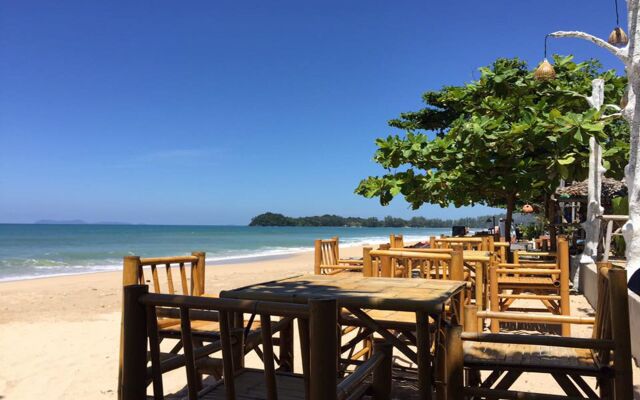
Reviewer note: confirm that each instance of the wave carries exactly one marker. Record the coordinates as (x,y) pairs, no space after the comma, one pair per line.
(34,268)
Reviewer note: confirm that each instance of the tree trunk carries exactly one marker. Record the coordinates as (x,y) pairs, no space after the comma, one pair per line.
(551,218)
(631,230)
(511,202)
(596,172)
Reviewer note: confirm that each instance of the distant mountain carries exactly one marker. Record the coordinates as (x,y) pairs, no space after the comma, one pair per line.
(60,222)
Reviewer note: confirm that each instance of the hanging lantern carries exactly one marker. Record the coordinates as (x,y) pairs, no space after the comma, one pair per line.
(545,71)
(618,38)
(527,209)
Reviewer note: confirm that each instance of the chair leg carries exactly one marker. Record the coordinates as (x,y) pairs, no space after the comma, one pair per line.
(198,343)
(606,388)
(472,377)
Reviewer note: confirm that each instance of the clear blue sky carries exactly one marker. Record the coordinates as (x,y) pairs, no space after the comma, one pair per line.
(210,112)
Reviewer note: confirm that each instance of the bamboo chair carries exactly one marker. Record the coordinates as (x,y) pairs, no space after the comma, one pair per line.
(501,250)
(546,282)
(317,323)
(468,243)
(379,263)
(401,268)
(160,272)
(605,356)
(533,257)
(327,259)
(182,275)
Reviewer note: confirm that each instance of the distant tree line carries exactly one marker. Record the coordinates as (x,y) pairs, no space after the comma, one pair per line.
(273,219)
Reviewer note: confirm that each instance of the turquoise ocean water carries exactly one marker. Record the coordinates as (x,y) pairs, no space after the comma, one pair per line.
(31,251)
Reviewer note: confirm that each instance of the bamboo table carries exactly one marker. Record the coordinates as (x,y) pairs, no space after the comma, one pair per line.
(425,297)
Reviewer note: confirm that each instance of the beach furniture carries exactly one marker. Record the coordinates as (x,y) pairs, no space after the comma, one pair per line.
(505,357)
(185,275)
(396,240)
(360,296)
(327,259)
(546,282)
(533,257)
(317,321)
(500,249)
(435,264)
(469,243)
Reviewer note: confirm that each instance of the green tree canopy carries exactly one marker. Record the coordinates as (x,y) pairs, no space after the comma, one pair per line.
(504,137)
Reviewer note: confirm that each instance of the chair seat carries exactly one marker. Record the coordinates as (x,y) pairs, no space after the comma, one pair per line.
(480,354)
(250,384)
(171,327)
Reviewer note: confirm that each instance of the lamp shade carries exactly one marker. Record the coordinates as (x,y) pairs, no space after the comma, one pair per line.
(527,209)
(618,37)
(545,71)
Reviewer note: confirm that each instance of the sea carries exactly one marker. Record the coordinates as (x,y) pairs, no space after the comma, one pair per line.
(29,251)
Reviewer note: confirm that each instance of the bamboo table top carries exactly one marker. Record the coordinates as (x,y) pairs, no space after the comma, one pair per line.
(401,294)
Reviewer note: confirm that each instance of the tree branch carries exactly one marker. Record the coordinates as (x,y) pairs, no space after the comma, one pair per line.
(615,115)
(621,53)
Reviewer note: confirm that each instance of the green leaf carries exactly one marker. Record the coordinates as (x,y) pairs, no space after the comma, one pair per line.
(567,160)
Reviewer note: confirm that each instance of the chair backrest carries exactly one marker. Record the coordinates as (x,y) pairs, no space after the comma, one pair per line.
(501,250)
(537,277)
(468,243)
(380,263)
(396,240)
(327,253)
(612,321)
(317,322)
(136,270)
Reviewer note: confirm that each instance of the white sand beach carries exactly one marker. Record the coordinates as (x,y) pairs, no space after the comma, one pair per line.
(59,337)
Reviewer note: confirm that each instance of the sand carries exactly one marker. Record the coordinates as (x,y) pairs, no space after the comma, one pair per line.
(59,337)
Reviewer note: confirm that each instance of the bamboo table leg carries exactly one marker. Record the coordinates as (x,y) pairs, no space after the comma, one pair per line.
(424,355)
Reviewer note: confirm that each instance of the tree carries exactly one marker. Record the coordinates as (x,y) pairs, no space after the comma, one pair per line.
(629,55)
(502,138)
(270,219)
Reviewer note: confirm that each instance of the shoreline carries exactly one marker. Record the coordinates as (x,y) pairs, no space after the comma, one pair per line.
(213,261)
(86,295)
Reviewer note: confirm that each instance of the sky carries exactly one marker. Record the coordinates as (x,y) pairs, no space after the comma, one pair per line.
(211,112)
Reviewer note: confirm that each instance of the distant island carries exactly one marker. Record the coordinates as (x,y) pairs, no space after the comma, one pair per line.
(60,222)
(76,222)
(274,219)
